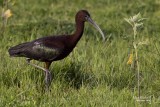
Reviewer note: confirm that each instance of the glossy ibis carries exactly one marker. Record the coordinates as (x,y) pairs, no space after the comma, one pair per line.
(53,48)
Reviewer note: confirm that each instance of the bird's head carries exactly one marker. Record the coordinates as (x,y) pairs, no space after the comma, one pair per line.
(83,16)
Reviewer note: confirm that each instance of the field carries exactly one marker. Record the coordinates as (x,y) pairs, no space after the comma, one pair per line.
(96,73)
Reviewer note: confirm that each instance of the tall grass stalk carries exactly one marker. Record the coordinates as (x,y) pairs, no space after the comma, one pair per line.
(136,23)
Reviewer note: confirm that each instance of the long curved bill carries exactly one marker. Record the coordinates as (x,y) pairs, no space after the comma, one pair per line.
(96,26)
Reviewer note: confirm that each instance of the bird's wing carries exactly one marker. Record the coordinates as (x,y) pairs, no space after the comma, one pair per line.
(41,51)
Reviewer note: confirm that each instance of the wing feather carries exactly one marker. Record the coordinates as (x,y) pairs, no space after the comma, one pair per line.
(44,52)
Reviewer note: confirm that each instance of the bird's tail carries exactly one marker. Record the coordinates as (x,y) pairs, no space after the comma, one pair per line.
(17,51)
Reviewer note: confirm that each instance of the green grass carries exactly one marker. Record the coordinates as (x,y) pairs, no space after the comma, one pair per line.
(96,73)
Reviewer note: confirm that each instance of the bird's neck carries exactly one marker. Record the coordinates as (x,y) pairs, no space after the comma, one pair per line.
(78,33)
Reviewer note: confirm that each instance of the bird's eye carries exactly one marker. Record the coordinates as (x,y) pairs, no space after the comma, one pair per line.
(86,17)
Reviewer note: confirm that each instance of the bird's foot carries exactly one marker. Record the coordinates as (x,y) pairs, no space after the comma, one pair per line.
(48,78)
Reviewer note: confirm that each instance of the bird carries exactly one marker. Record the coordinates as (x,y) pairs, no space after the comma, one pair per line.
(55,47)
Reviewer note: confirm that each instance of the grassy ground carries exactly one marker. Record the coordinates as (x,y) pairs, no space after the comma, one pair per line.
(95,73)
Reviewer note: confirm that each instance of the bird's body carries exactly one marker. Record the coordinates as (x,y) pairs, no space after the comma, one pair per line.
(46,49)
(53,48)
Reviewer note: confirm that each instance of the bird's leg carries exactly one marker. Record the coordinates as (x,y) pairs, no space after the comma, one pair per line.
(28,61)
(48,76)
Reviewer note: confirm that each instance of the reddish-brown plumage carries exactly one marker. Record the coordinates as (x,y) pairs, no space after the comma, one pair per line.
(53,48)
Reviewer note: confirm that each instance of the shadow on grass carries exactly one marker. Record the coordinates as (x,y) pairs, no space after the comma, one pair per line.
(70,75)
(74,77)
